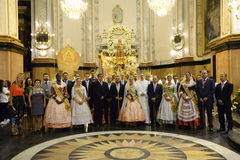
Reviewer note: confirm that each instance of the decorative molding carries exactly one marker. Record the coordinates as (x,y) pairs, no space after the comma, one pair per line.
(8,43)
(178,64)
(226,46)
(184,59)
(226,43)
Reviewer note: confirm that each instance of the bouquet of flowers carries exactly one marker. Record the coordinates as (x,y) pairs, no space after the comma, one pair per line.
(236,102)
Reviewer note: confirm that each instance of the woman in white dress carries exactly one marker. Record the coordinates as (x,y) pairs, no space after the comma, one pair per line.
(81,114)
(168,106)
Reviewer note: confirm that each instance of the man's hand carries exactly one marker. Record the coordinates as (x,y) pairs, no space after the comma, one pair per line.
(154,99)
(205,99)
(220,102)
(102,97)
(201,100)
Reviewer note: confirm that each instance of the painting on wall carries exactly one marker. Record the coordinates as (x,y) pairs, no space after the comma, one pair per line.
(212,20)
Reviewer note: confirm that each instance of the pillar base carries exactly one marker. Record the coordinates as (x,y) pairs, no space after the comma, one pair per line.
(11,54)
(44,65)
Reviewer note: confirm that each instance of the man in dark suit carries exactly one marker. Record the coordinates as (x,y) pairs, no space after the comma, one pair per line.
(177,83)
(111,101)
(120,93)
(69,85)
(223,94)
(88,85)
(93,78)
(123,81)
(205,92)
(154,92)
(99,91)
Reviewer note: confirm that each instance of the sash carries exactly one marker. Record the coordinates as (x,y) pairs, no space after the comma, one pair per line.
(189,94)
(132,92)
(60,95)
(81,96)
(173,100)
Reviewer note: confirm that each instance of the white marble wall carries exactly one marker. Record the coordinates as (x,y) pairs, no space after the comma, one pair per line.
(9,18)
(153,33)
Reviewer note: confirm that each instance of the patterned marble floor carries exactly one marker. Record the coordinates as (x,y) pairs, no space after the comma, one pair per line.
(128,145)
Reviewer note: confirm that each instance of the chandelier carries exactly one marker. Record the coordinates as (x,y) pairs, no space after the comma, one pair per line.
(161,7)
(74,9)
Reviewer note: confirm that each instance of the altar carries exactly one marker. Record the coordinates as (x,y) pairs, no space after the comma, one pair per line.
(119,57)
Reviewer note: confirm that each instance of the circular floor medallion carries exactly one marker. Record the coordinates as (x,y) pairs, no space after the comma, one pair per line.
(128,145)
(127,153)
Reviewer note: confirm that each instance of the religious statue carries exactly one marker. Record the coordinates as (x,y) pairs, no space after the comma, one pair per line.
(120,51)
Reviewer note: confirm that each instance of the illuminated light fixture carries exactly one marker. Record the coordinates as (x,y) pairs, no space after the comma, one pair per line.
(161,7)
(42,38)
(74,9)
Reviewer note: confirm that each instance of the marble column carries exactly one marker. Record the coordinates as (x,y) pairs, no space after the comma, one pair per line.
(42,12)
(11,49)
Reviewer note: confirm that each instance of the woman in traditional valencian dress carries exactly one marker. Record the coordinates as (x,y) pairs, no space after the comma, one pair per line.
(187,108)
(58,111)
(131,110)
(168,106)
(81,114)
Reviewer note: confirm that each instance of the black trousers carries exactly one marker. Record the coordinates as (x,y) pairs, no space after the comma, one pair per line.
(153,110)
(98,111)
(5,111)
(113,111)
(203,107)
(222,110)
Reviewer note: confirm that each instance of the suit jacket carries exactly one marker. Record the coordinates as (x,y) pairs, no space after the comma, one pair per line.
(120,93)
(158,91)
(47,88)
(93,79)
(88,88)
(207,90)
(225,93)
(69,87)
(123,82)
(112,92)
(99,90)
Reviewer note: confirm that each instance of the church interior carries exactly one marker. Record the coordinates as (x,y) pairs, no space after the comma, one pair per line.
(187,50)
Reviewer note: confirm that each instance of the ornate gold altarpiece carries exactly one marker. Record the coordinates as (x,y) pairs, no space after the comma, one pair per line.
(119,57)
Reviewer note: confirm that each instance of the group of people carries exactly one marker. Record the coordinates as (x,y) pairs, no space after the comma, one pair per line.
(165,102)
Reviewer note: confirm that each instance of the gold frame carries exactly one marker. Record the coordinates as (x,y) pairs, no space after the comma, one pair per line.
(68,53)
(207,47)
(117,7)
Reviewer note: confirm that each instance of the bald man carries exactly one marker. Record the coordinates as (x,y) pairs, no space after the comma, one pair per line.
(223,96)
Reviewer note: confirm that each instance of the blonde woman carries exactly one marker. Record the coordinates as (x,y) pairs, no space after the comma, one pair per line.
(81,114)
(18,103)
(131,110)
